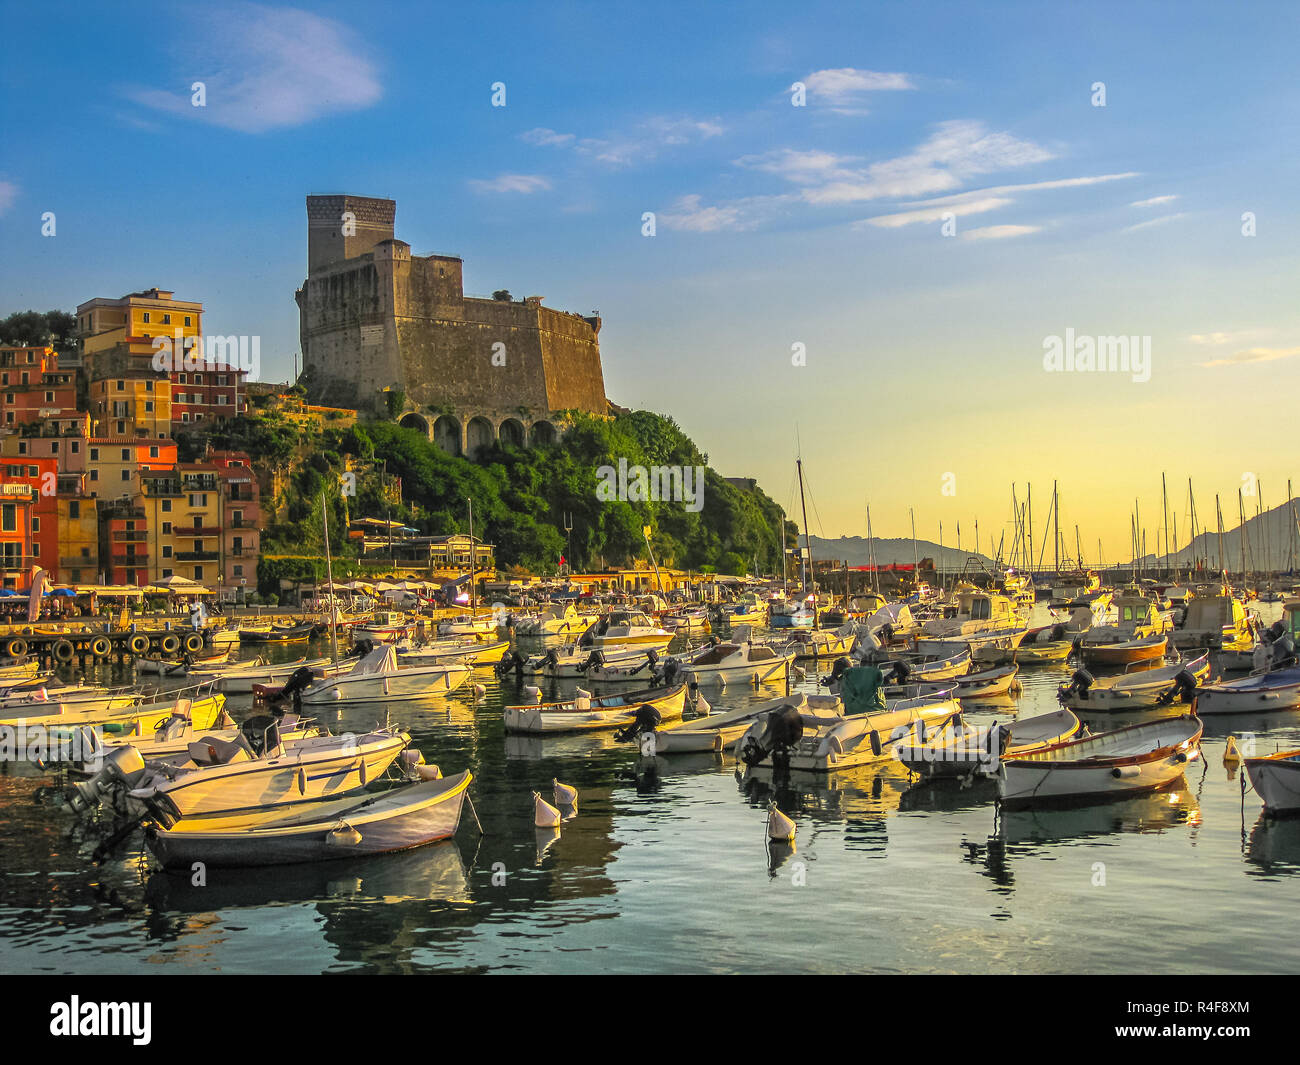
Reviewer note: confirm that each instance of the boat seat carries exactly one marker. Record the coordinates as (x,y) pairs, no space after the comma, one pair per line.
(212,750)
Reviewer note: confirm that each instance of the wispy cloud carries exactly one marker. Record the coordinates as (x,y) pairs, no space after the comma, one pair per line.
(845,88)
(547,138)
(954,152)
(1154,222)
(998,232)
(1250,355)
(1154,201)
(801,167)
(978,201)
(267,68)
(1235,337)
(520,183)
(8,194)
(690,214)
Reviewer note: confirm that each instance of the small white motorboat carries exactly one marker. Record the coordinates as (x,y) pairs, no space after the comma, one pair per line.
(963,750)
(376,677)
(1259,693)
(717,732)
(1142,757)
(739,659)
(1137,690)
(1276,778)
(587,713)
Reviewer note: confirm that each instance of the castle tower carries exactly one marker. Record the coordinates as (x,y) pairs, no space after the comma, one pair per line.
(343,227)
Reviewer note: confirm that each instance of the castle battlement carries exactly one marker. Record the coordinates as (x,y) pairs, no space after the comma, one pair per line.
(378,323)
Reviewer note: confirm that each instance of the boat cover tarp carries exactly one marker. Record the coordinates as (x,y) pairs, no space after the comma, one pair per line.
(860,688)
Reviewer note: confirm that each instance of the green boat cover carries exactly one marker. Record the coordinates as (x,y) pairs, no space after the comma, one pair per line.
(860,690)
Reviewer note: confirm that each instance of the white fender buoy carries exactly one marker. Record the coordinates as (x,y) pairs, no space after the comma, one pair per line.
(343,836)
(565,795)
(534,695)
(779,827)
(701,707)
(479,691)
(544,814)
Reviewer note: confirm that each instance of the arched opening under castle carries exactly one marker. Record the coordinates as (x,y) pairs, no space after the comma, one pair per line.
(416,422)
(542,433)
(446,434)
(512,433)
(478,436)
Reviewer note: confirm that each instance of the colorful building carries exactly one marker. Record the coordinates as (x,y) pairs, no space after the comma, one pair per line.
(32,387)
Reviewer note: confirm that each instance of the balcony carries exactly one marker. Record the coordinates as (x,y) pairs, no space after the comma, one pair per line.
(197,530)
(197,556)
(138,559)
(136,536)
(17,562)
(78,562)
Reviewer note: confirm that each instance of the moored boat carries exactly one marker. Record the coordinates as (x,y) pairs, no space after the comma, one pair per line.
(1278,689)
(961,749)
(586,713)
(1142,757)
(1276,778)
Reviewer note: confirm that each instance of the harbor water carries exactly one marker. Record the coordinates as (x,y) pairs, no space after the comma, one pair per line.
(667,869)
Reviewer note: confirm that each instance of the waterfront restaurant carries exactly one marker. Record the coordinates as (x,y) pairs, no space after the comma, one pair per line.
(380,541)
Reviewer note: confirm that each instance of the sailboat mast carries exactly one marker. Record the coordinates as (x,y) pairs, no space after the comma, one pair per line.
(916,562)
(473,556)
(871,554)
(1241,536)
(812,574)
(1029,503)
(1056,527)
(1164,504)
(1218,512)
(329,576)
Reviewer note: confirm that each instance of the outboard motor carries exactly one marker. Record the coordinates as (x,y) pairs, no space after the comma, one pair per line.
(1079,685)
(595,660)
(841,666)
(782,731)
(299,680)
(646,719)
(1283,652)
(667,676)
(1184,688)
(261,733)
(123,769)
(900,673)
(512,660)
(1058,631)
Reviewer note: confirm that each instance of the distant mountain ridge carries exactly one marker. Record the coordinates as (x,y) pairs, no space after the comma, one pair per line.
(1271,543)
(857,551)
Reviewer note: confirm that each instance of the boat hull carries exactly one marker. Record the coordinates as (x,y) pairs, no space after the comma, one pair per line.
(607,712)
(1277,782)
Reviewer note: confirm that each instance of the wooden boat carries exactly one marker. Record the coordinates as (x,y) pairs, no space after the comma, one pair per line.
(469,625)
(749,610)
(844,742)
(989,683)
(572,662)
(644,669)
(686,620)
(792,615)
(1139,690)
(739,659)
(384,626)
(171,740)
(588,713)
(817,643)
(19,670)
(963,750)
(1036,654)
(1259,693)
(980,617)
(717,732)
(240,778)
(409,815)
(70,697)
(376,677)
(918,669)
(1142,757)
(1125,652)
(278,633)
(1276,779)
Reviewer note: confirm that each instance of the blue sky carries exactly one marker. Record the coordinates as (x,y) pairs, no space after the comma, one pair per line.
(776,225)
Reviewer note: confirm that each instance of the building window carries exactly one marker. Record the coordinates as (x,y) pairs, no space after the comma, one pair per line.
(148,406)
(126,475)
(187,319)
(146,316)
(49,397)
(36,525)
(76,447)
(74,509)
(167,551)
(9,517)
(94,454)
(167,506)
(167,319)
(126,454)
(167,528)
(153,451)
(167,573)
(54,447)
(94,475)
(198,573)
(121,386)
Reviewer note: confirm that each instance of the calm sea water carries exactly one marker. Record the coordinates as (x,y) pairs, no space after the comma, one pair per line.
(672,872)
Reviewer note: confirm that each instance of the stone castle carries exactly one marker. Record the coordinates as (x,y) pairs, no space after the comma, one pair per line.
(394,334)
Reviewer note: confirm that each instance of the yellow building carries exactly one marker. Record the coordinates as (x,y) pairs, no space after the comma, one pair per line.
(183,515)
(132,406)
(134,320)
(78,538)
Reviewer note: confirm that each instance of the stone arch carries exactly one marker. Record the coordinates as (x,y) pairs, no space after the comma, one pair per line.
(512,433)
(478,436)
(418,422)
(447,434)
(542,433)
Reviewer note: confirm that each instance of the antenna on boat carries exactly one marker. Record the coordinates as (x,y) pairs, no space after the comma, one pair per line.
(812,574)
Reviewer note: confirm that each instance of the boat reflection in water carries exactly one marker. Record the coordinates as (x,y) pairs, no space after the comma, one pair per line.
(435,873)
(1273,848)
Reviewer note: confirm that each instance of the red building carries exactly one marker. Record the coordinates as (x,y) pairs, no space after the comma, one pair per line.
(29,518)
(242,511)
(211,392)
(32,388)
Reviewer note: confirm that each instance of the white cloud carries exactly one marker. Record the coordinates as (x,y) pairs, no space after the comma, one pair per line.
(521,183)
(978,201)
(1154,201)
(846,86)
(998,232)
(1255,355)
(8,194)
(1237,337)
(692,215)
(547,138)
(806,167)
(268,68)
(1154,222)
(649,137)
(956,150)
